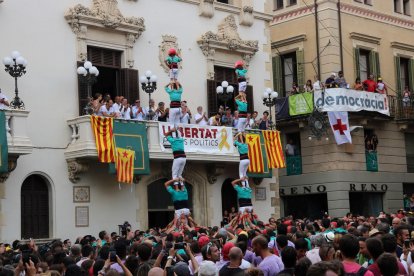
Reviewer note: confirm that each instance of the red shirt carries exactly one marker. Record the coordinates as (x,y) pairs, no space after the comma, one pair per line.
(376,271)
(370,85)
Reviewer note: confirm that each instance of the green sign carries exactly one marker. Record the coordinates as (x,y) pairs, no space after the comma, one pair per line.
(3,143)
(301,104)
(132,135)
(372,161)
(294,165)
(267,172)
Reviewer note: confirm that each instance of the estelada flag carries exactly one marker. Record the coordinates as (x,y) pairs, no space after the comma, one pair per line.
(255,153)
(125,165)
(103,130)
(274,152)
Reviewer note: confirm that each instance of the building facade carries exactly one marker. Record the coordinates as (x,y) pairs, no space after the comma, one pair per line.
(56,187)
(312,39)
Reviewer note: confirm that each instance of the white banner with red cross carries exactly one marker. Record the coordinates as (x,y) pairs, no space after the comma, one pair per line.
(340,126)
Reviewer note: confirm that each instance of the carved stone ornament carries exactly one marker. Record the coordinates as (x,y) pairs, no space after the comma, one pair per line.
(213,171)
(246,16)
(76,167)
(168,41)
(207,8)
(12,164)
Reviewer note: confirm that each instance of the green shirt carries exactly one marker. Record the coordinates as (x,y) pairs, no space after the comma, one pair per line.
(243,192)
(175,94)
(242,147)
(241,106)
(178,195)
(177,144)
(173,59)
(241,72)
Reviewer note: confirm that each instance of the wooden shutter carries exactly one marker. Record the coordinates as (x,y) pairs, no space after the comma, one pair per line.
(104,57)
(398,83)
(277,74)
(300,69)
(211,97)
(411,74)
(249,98)
(377,63)
(356,63)
(374,64)
(129,87)
(82,93)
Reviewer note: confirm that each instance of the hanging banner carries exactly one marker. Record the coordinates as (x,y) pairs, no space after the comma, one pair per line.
(301,104)
(282,108)
(4,164)
(208,139)
(341,99)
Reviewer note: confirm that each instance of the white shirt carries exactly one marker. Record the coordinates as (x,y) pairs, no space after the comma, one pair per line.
(290,149)
(2,105)
(103,110)
(184,118)
(117,108)
(245,264)
(317,85)
(154,117)
(138,115)
(126,113)
(203,122)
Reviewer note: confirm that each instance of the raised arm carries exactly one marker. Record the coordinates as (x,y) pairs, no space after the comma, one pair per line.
(234,182)
(168,183)
(168,133)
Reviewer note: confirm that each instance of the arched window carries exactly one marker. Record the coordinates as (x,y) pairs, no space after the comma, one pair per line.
(228,196)
(35,207)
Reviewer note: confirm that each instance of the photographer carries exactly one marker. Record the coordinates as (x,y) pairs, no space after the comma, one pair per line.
(4,102)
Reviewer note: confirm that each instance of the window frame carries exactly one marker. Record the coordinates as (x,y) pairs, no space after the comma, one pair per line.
(294,71)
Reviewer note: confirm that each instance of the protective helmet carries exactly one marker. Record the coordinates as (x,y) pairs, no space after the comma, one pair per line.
(172,51)
(238,63)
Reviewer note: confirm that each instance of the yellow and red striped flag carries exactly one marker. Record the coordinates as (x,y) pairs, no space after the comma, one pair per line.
(102,128)
(274,151)
(125,165)
(255,153)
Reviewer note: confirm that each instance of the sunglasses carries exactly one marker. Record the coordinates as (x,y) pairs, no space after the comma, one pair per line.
(209,245)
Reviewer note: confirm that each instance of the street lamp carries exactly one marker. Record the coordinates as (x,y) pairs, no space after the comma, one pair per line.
(225,92)
(88,75)
(149,85)
(269,99)
(16,67)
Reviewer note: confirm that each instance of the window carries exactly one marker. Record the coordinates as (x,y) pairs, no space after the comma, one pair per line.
(404,77)
(406,7)
(404,73)
(288,68)
(368,2)
(397,6)
(278,4)
(366,63)
(371,143)
(292,2)
(223,1)
(289,71)
(293,154)
(409,149)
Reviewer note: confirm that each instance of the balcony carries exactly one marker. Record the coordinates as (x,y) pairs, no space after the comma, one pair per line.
(83,148)
(371,158)
(18,141)
(294,165)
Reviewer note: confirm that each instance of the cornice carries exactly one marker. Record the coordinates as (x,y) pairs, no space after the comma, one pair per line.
(288,41)
(402,46)
(292,14)
(365,38)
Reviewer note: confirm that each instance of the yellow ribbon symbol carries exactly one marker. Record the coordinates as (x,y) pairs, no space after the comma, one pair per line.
(223,142)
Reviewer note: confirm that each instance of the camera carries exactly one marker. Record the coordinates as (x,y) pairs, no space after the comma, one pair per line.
(407,243)
(112,255)
(124,228)
(179,245)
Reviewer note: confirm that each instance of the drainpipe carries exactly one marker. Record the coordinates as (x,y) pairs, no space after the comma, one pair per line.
(317,39)
(341,53)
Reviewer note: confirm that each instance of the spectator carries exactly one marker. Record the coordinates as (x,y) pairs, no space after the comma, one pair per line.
(161,113)
(349,247)
(301,247)
(290,148)
(294,90)
(406,100)
(107,110)
(233,267)
(233,213)
(215,120)
(340,80)
(253,121)
(270,264)
(381,87)
(302,267)
(117,106)
(200,117)
(137,112)
(308,87)
(184,115)
(388,265)
(249,121)
(370,85)
(210,252)
(326,252)
(325,269)
(235,118)
(125,109)
(363,255)
(330,81)
(96,102)
(150,111)
(221,110)
(313,254)
(289,256)
(226,219)
(401,233)
(243,247)
(389,243)
(317,85)
(358,85)
(4,102)
(375,249)
(264,123)
(227,119)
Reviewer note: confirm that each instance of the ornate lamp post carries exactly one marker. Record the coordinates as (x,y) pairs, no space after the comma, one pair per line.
(16,67)
(149,85)
(225,92)
(88,75)
(269,100)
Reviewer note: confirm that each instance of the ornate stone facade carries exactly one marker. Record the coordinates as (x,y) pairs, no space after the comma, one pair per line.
(168,41)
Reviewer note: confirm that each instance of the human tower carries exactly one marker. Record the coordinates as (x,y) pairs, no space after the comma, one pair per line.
(176,186)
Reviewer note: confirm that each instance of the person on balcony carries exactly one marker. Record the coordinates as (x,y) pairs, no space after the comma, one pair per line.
(381,87)
(358,85)
(317,85)
(370,84)
(264,122)
(341,81)
(174,90)
(150,111)
(162,112)
(179,198)
(107,110)
(177,146)
(241,103)
(184,113)
(200,117)
(96,103)
(240,143)
(290,148)
(227,119)
(308,87)
(125,110)
(294,90)
(330,82)
(4,102)
(215,120)
(137,112)
(406,100)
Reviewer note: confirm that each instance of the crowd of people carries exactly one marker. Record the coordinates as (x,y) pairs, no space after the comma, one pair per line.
(352,245)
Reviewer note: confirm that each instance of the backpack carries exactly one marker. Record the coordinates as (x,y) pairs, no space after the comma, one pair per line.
(361,272)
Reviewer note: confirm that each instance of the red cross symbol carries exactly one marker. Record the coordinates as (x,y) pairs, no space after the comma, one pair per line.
(339,126)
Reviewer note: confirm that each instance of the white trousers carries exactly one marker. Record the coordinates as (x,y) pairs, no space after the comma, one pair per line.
(175,116)
(242,86)
(243,166)
(249,209)
(241,124)
(178,168)
(183,211)
(174,73)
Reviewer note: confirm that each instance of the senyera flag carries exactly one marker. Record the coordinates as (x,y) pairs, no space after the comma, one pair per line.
(274,151)
(103,130)
(255,153)
(125,165)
